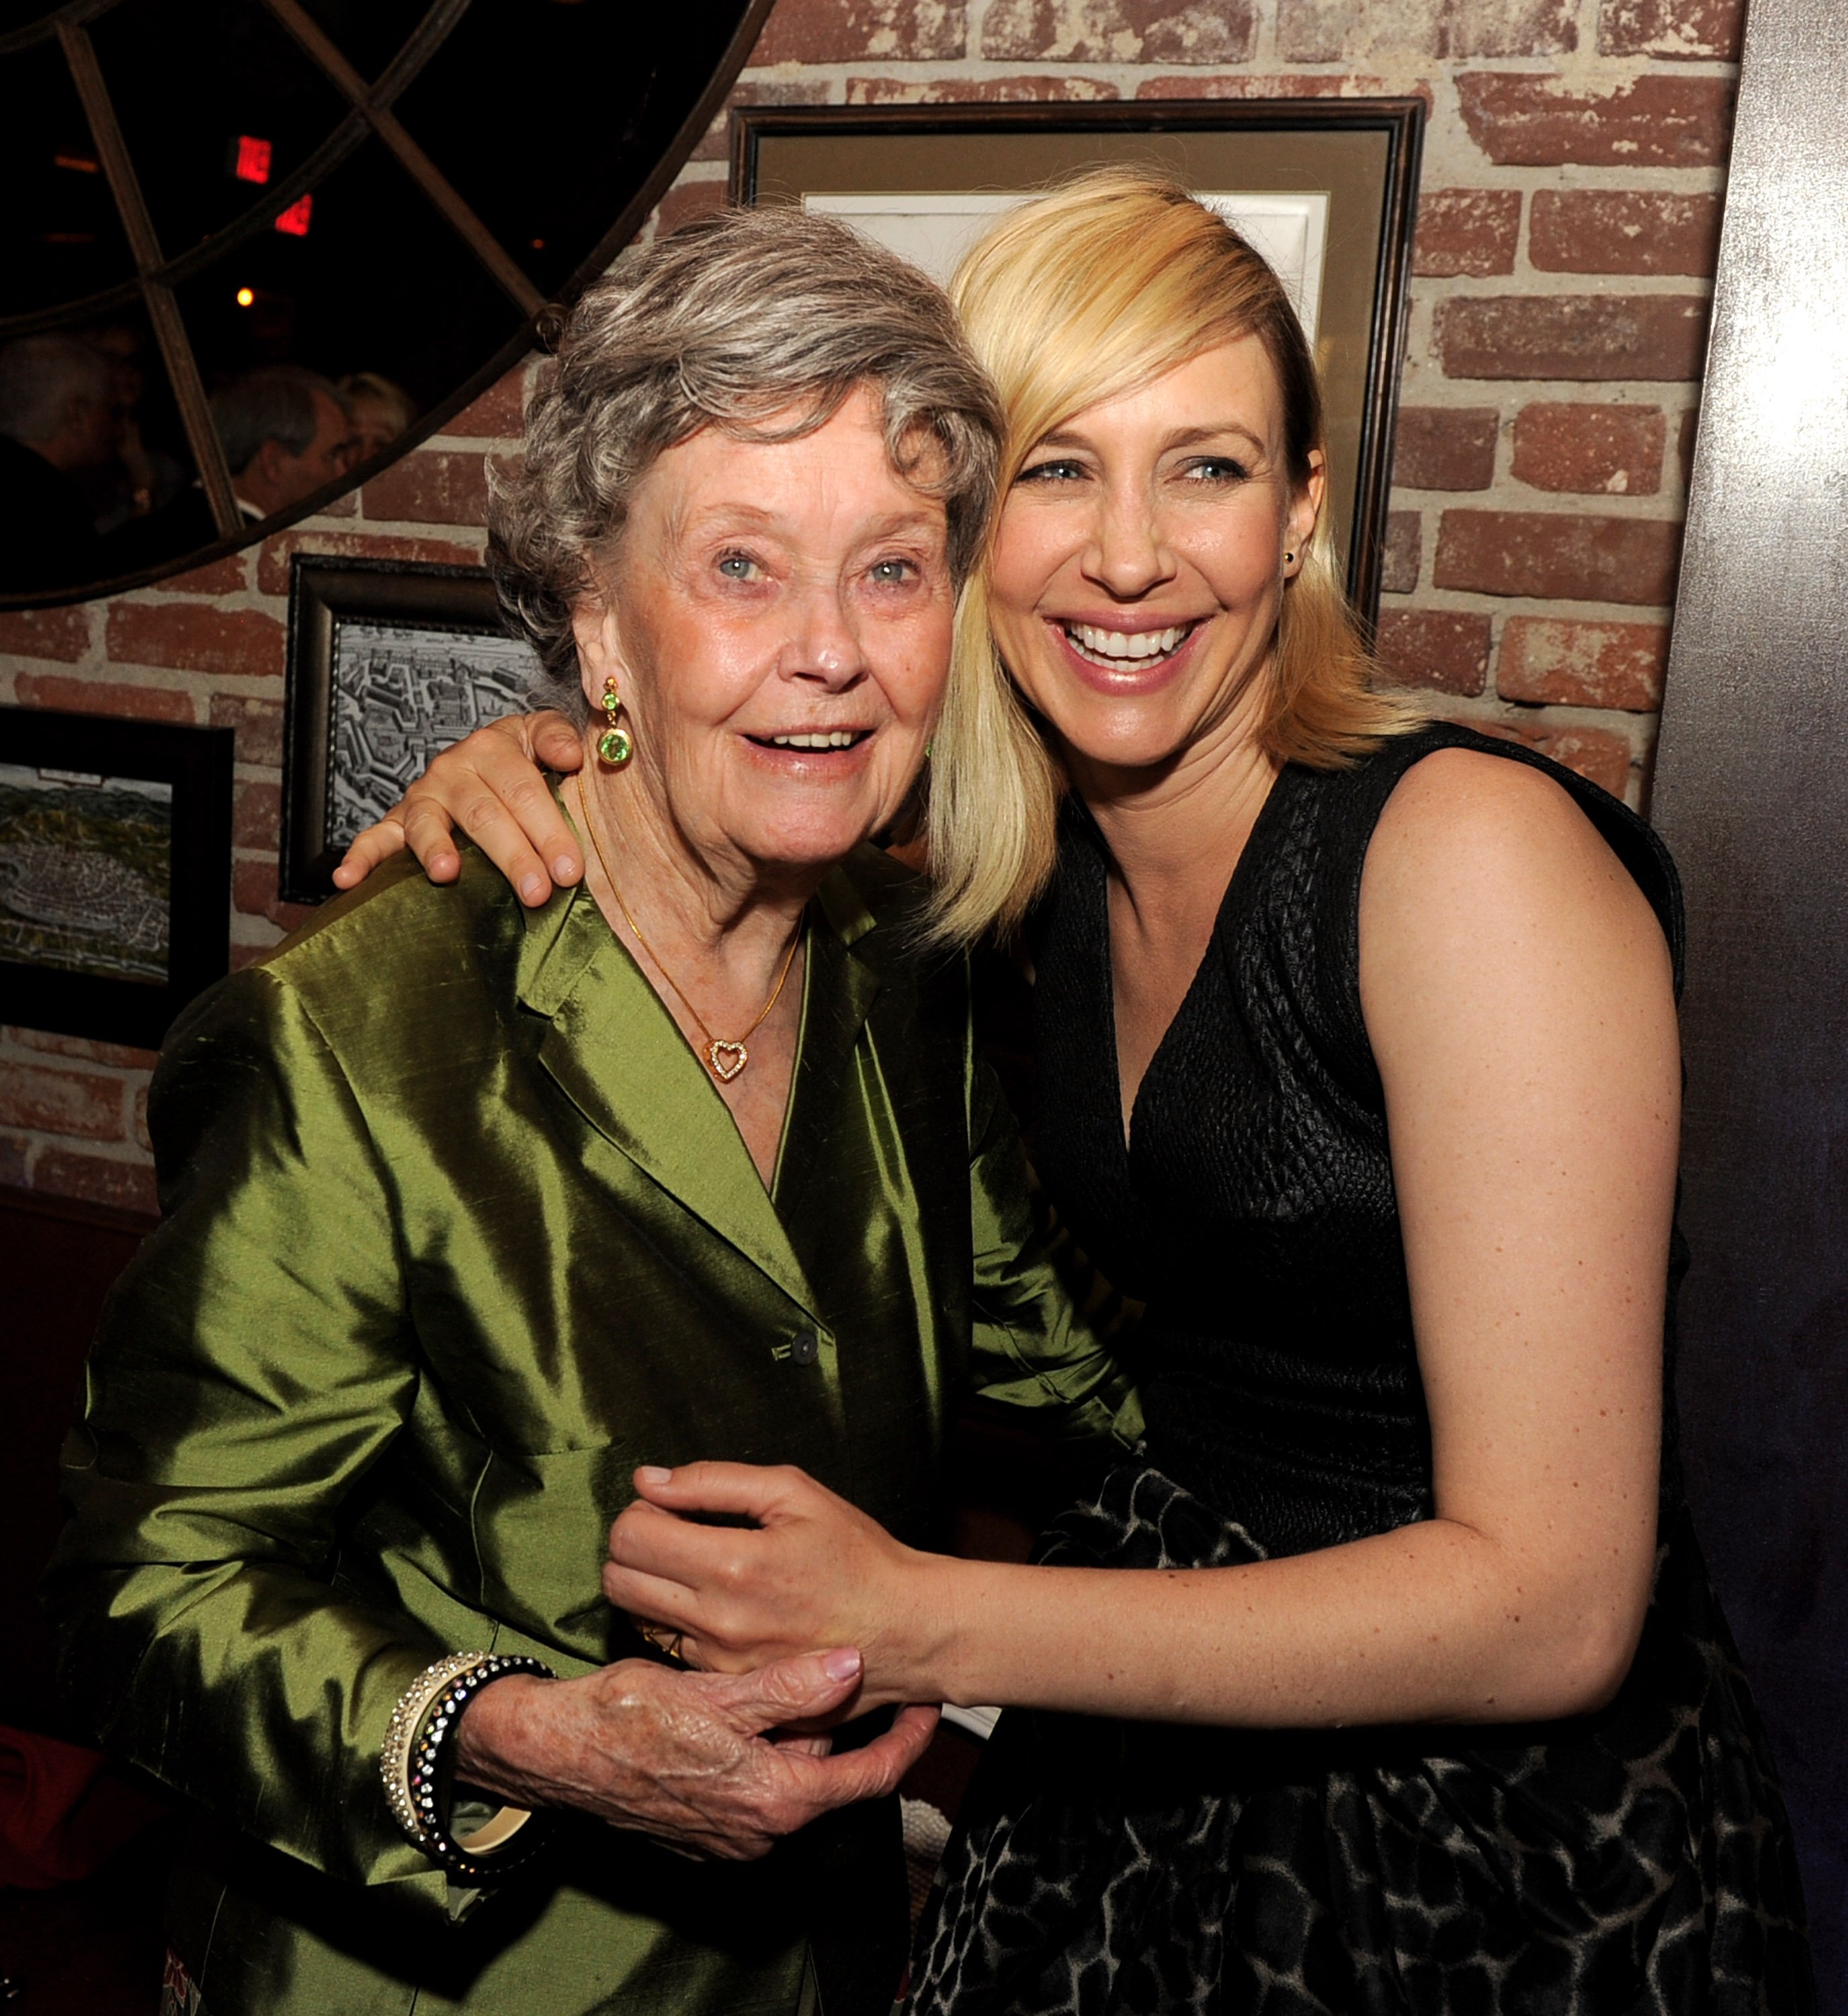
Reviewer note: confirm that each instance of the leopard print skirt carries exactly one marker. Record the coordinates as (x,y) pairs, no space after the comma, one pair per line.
(1632,1862)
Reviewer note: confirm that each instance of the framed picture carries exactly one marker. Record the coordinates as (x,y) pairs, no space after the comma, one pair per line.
(388,663)
(115,871)
(1327,188)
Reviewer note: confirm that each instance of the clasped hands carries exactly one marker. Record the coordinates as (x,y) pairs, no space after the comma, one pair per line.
(723,1759)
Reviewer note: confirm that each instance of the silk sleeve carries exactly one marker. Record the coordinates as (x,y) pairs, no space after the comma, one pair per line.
(1044,1319)
(252,1366)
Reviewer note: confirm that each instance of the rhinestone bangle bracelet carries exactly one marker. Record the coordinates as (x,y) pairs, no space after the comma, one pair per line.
(415,1763)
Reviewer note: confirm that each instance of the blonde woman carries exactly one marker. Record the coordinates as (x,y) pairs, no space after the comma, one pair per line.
(1358,1049)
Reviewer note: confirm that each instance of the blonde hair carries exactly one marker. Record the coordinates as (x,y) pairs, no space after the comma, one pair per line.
(1082,296)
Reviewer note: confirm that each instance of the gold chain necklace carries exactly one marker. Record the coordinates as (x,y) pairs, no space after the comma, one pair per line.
(726,1055)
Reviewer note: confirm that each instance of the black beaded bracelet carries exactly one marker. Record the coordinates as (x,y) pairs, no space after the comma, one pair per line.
(417,1764)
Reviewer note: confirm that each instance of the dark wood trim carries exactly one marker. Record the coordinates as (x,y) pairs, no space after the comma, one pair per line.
(176,352)
(76,1210)
(438,190)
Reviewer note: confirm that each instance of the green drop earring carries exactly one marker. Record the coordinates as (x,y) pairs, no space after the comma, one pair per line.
(615,745)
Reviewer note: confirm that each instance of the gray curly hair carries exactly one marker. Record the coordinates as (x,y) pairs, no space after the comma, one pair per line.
(761,322)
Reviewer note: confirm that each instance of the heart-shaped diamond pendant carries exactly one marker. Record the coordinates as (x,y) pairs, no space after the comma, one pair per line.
(727,1060)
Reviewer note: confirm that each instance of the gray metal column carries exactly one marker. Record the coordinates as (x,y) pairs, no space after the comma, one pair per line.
(1752,794)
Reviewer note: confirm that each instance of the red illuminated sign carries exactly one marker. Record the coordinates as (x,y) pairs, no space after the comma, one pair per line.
(251,162)
(294,219)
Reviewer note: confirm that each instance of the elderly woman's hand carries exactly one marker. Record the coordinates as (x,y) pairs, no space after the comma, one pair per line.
(691,1759)
(490,785)
(811,1570)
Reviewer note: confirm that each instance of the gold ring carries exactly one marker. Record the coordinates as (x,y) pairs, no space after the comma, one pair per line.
(651,1633)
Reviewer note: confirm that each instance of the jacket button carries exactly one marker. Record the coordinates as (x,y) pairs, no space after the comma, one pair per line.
(804,1347)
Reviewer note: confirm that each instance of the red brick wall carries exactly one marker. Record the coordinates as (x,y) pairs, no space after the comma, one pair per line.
(1573,169)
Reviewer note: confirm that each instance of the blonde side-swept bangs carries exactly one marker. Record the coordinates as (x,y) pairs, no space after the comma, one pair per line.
(1082,296)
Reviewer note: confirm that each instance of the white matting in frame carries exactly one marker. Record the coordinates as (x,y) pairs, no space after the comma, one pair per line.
(934,230)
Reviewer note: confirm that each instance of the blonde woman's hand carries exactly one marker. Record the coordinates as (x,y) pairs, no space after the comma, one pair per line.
(811,1570)
(490,784)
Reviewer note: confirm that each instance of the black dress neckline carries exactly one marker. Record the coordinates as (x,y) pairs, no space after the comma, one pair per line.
(1236,883)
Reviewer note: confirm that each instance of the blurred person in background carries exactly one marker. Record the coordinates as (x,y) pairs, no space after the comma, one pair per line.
(139,478)
(285,431)
(59,418)
(380,410)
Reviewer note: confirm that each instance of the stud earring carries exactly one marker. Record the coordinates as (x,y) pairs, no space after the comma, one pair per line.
(615,745)
(1289,559)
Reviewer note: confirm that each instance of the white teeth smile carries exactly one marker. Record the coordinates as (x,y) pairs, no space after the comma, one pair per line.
(1117,647)
(838,738)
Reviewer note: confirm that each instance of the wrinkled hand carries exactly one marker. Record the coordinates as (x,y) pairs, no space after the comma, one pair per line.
(489,784)
(812,1571)
(693,1760)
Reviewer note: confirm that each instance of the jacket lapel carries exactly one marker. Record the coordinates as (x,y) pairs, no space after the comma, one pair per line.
(617,1055)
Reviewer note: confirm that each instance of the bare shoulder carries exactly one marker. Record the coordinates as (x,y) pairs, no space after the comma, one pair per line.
(1463,828)
(1489,897)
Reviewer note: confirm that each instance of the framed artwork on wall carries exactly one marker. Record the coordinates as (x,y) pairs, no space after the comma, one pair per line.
(115,871)
(1327,188)
(388,663)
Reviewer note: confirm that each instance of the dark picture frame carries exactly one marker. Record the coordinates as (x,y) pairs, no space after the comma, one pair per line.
(367,702)
(115,871)
(1362,153)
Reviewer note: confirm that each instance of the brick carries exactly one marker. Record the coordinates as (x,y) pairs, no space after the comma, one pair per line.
(258,726)
(141,1137)
(1554,663)
(1623,231)
(1612,451)
(1445,447)
(685,203)
(1700,30)
(498,414)
(82,1103)
(273,559)
(1119,31)
(1595,753)
(127,1185)
(82,696)
(14,1154)
(256,815)
(1295,84)
(979,91)
(195,637)
(1443,649)
(253,892)
(243,954)
(62,634)
(431,487)
(825,31)
(224,576)
(1526,120)
(52,1044)
(1346,31)
(1558,557)
(1403,552)
(1466,232)
(1656,337)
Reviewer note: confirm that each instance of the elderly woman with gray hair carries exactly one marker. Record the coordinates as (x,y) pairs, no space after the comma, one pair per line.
(355,1438)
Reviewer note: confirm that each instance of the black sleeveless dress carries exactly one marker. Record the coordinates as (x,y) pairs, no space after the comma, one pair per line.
(1634,1860)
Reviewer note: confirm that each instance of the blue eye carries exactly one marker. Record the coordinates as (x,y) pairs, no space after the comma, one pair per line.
(736,567)
(1216,469)
(890,573)
(1052,472)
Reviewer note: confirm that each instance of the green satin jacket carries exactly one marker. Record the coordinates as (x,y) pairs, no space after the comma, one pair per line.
(457,1232)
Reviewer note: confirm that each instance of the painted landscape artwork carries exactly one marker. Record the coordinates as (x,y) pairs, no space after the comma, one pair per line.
(86,866)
